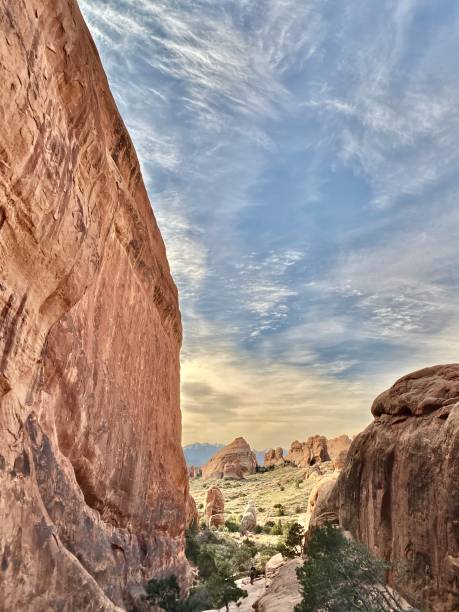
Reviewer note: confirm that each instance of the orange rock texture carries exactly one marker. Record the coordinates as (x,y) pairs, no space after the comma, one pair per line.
(274,457)
(313,451)
(92,477)
(215,507)
(399,489)
(233,461)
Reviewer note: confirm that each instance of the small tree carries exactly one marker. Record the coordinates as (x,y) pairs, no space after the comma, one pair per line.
(277,529)
(223,591)
(340,574)
(292,543)
(163,593)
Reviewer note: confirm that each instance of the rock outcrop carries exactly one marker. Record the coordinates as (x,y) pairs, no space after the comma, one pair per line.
(233,461)
(338,447)
(318,512)
(249,518)
(339,460)
(192,514)
(399,490)
(92,477)
(274,457)
(314,450)
(194,471)
(215,507)
(283,592)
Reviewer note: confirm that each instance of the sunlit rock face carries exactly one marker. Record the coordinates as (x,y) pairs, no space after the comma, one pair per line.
(93,481)
(215,507)
(232,462)
(274,457)
(338,447)
(399,489)
(311,452)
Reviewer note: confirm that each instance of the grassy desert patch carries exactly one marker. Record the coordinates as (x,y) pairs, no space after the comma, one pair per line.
(286,485)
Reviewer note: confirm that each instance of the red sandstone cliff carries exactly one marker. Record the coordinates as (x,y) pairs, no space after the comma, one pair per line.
(399,489)
(92,477)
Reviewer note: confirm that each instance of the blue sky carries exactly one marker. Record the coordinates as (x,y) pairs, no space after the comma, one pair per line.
(302,161)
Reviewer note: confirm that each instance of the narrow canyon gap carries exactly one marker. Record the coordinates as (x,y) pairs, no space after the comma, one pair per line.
(94,489)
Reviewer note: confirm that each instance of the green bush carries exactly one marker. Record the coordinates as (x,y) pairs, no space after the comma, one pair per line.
(232,525)
(291,544)
(340,574)
(280,510)
(164,593)
(277,529)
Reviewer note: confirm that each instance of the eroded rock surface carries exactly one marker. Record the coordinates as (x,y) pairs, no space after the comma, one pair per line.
(283,592)
(233,461)
(92,477)
(249,518)
(214,507)
(399,490)
(311,452)
(274,457)
(338,448)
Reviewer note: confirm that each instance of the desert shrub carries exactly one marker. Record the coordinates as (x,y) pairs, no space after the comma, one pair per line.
(261,509)
(232,525)
(268,526)
(223,591)
(282,488)
(291,544)
(164,593)
(265,552)
(340,574)
(297,484)
(258,529)
(201,505)
(280,510)
(277,529)
(298,510)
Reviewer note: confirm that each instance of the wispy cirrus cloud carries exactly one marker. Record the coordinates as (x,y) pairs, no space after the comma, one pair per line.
(302,163)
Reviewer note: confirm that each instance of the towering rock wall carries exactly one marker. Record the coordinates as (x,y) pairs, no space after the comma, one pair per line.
(92,477)
(399,489)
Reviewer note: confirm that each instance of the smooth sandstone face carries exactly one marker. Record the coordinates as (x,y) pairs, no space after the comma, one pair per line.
(398,491)
(93,481)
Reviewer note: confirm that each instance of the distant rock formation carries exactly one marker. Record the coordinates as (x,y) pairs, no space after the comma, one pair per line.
(313,451)
(215,507)
(338,447)
(249,518)
(92,476)
(317,450)
(399,489)
(234,461)
(274,457)
(194,471)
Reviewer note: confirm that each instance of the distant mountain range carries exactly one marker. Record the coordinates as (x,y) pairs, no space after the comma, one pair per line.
(199,454)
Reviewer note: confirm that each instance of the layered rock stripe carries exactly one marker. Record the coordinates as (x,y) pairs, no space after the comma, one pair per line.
(93,482)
